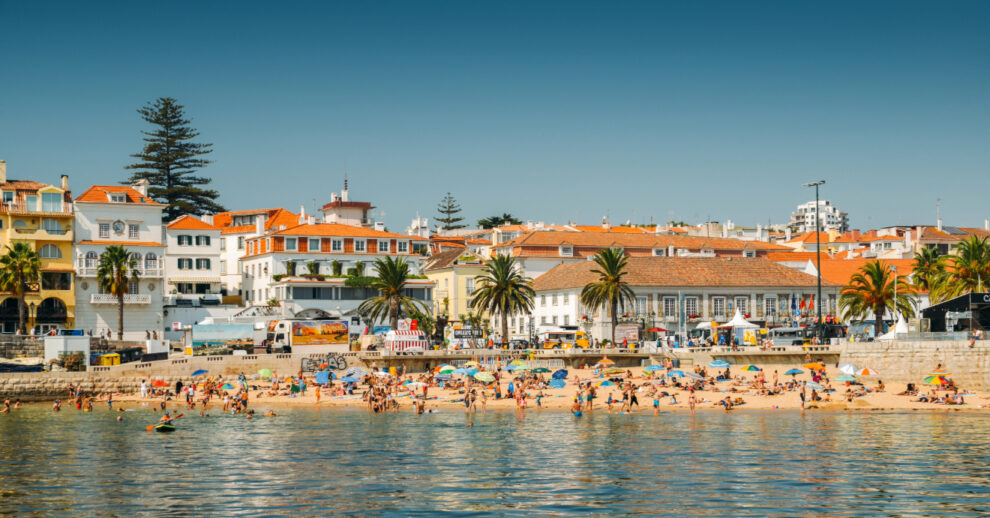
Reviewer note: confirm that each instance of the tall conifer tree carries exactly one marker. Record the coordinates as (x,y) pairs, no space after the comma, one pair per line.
(170,159)
(449,210)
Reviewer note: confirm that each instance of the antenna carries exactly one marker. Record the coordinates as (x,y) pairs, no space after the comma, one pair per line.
(345,180)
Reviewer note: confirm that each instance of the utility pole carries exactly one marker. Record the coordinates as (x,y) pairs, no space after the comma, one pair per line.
(818,253)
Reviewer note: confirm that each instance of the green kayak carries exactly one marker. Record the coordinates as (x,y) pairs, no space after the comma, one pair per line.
(165,428)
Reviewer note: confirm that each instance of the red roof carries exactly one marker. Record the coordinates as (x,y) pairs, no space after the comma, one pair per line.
(336,229)
(187,222)
(101,194)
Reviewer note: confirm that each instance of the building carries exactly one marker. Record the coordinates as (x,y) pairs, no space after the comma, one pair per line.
(678,293)
(830,217)
(321,267)
(40,215)
(235,229)
(539,252)
(119,215)
(342,211)
(453,272)
(192,261)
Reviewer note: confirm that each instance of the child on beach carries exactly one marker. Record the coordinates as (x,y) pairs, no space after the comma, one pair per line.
(610,402)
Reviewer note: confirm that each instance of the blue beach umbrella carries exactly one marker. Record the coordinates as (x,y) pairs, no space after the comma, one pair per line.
(675,374)
(815,386)
(511,368)
(557,383)
(719,364)
(442,376)
(651,368)
(794,372)
(227,386)
(559,375)
(692,376)
(472,372)
(349,379)
(200,372)
(460,371)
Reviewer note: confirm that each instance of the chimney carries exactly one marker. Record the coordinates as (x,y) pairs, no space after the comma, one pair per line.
(939,223)
(65,182)
(302,215)
(986,224)
(787,234)
(207,218)
(141,186)
(907,240)
(3,171)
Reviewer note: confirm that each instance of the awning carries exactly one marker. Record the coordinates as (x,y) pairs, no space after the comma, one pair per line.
(738,322)
(404,340)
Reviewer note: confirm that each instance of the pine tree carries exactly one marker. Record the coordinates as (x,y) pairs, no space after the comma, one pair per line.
(169,160)
(449,210)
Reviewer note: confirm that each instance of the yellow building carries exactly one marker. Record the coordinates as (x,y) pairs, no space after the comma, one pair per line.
(453,272)
(40,215)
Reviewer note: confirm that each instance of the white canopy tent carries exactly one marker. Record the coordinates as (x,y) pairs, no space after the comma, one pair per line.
(738,322)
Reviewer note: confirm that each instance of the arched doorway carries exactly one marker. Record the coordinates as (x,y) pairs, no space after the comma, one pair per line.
(51,313)
(8,315)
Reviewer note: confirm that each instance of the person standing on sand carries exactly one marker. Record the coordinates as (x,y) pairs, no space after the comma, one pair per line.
(317,394)
(692,401)
(804,385)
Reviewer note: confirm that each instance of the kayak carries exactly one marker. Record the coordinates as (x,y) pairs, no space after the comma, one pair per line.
(164,428)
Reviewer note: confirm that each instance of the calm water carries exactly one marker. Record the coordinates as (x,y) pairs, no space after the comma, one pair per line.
(310,462)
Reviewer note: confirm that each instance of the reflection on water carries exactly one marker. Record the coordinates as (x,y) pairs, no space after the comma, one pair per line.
(308,462)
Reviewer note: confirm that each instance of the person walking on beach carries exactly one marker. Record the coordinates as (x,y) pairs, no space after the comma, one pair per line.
(804,385)
(692,401)
(317,394)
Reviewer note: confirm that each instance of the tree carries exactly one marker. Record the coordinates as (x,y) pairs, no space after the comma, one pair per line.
(20,267)
(391,301)
(449,210)
(969,269)
(503,290)
(610,291)
(170,159)
(871,290)
(114,273)
(498,221)
(929,270)
(424,322)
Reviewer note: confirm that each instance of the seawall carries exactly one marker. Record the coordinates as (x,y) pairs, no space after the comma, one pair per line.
(911,361)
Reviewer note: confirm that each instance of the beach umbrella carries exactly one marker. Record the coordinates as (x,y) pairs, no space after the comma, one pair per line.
(752,368)
(845,377)
(447,369)
(651,368)
(265,373)
(944,374)
(615,370)
(540,370)
(471,364)
(159,383)
(460,371)
(605,383)
(524,367)
(867,372)
(848,368)
(227,386)
(518,362)
(606,361)
(936,380)
(815,386)
(559,374)
(472,372)
(719,364)
(675,374)
(557,383)
(354,371)
(199,372)
(511,368)
(382,374)
(656,330)
(814,366)
(794,372)
(349,379)
(443,376)
(486,377)
(692,376)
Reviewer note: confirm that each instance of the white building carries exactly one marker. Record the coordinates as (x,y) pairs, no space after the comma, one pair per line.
(308,266)
(235,229)
(116,215)
(192,260)
(831,218)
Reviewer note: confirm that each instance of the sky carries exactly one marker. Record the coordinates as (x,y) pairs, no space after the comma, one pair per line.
(551,111)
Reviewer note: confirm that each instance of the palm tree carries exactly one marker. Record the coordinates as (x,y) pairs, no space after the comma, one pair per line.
(610,291)
(391,301)
(970,269)
(503,290)
(114,273)
(871,290)
(19,268)
(929,267)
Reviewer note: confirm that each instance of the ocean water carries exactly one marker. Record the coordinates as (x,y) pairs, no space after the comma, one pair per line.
(308,462)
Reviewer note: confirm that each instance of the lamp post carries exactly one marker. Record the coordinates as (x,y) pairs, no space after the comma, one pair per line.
(818,254)
(32,318)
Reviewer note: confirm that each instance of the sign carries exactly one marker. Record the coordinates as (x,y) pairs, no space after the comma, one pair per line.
(381,330)
(469,333)
(211,338)
(319,332)
(629,332)
(176,326)
(404,324)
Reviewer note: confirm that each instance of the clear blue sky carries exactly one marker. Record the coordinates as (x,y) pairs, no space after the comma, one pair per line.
(550,111)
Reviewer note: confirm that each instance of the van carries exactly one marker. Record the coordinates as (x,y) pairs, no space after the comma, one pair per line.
(564,339)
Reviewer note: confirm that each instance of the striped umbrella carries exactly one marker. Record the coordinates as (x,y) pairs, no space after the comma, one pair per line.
(867,372)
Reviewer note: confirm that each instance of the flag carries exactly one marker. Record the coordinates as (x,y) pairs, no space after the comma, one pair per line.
(803,305)
(811,305)
(793,302)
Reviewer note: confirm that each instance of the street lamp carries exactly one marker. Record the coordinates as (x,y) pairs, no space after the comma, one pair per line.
(818,253)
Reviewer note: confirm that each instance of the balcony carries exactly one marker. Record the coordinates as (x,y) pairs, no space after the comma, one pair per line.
(153,272)
(45,234)
(45,208)
(103,298)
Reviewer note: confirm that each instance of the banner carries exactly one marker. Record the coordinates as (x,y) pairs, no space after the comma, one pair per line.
(319,332)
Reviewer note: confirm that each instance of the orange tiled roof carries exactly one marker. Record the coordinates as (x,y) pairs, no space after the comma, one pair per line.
(809,237)
(592,239)
(975,231)
(683,271)
(615,229)
(934,234)
(187,222)
(100,194)
(239,229)
(124,243)
(792,256)
(840,271)
(336,229)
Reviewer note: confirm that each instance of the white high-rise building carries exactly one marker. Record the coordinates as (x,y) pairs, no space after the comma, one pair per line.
(803,220)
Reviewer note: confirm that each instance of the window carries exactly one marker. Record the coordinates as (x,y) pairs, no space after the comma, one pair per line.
(133,231)
(555,320)
(543,320)
(565,297)
(223,266)
(566,251)
(20,223)
(543,300)
(52,226)
(290,243)
(240,243)
(553,299)
(223,244)
(382,246)
(641,306)
(669,306)
(56,281)
(118,197)
(742,305)
(359,245)
(91,259)
(50,252)
(659,252)
(133,287)
(718,306)
(770,307)
(314,244)
(749,253)
(403,247)
(185,263)
(202,264)
(567,320)
(469,285)
(185,240)
(691,305)
(202,240)
(336,245)
(150,261)
(104,230)
(8,197)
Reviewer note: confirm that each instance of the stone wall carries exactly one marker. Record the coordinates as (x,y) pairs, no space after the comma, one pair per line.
(910,362)
(21,347)
(35,386)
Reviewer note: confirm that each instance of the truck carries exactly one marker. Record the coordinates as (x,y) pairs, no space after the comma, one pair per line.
(564,339)
(310,336)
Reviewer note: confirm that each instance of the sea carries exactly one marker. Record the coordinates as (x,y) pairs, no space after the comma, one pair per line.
(333,462)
